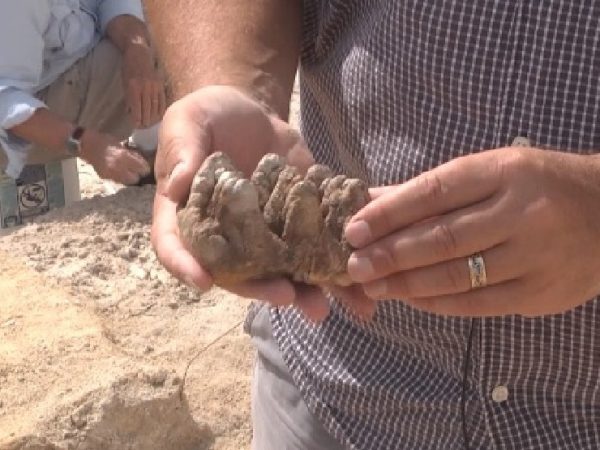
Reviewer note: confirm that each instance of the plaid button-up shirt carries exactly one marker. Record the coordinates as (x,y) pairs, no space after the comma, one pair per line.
(392,88)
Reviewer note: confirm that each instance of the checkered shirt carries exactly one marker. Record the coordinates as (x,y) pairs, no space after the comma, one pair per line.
(392,88)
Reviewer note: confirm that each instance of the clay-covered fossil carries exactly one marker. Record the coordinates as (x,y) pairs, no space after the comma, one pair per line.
(277,223)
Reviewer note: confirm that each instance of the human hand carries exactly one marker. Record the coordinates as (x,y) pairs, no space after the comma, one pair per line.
(212,119)
(532,214)
(144,85)
(111,159)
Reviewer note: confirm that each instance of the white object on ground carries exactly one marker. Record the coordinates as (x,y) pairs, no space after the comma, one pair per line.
(145,138)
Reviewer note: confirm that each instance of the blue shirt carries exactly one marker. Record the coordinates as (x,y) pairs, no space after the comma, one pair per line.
(40,40)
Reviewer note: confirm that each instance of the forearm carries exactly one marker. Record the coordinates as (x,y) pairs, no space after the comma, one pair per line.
(126,30)
(253,45)
(49,131)
(46,130)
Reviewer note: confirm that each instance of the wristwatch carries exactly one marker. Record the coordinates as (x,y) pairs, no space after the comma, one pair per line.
(73,143)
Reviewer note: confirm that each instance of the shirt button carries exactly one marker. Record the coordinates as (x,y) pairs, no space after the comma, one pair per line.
(521,141)
(500,394)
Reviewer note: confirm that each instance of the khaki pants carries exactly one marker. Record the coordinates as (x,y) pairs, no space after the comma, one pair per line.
(281,419)
(90,94)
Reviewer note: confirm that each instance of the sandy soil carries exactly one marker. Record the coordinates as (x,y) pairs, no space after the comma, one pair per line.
(84,303)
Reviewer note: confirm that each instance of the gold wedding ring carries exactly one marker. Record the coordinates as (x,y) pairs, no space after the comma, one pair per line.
(477,271)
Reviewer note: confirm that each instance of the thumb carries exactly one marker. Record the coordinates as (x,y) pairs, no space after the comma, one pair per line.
(182,148)
(179,182)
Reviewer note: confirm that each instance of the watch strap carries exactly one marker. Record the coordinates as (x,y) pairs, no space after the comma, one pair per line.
(74,141)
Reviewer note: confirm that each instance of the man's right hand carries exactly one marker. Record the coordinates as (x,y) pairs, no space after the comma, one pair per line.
(212,119)
(111,160)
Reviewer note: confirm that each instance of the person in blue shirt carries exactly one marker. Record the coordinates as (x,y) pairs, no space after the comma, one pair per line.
(76,76)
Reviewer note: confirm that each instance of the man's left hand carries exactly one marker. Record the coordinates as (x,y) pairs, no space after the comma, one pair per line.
(144,86)
(533,215)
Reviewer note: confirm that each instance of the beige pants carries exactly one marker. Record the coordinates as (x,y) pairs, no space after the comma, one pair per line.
(90,94)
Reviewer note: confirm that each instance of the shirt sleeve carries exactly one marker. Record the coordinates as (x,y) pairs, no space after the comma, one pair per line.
(22,26)
(21,66)
(16,107)
(109,9)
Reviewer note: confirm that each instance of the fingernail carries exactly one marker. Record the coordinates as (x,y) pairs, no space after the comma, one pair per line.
(176,171)
(358,233)
(377,289)
(173,175)
(360,268)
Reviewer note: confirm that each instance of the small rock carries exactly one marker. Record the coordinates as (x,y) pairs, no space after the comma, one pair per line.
(69,434)
(123,235)
(78,421)
(128,253)
(98,268)
(137,244)
(8,323)
(194,296)
(79,417)
(137,272)
(157,378)
(138,234)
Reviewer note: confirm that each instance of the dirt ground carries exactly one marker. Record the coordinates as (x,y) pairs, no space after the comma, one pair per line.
(84,305)
(95,336)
